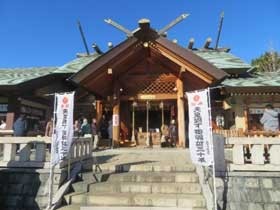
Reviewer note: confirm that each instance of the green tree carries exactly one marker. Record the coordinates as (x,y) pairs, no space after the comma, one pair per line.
(268,62)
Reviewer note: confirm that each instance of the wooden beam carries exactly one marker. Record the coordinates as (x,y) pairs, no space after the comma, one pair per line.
(246,118)
(104,59)
(116,114)
(13,112)
(191,43)
(113,63)
(188,57)
(150,97)
(99,111)
(181,113)
(207,43)
(188,66)
(101,82)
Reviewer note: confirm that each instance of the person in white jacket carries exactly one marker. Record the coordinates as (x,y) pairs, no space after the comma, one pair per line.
(270,119)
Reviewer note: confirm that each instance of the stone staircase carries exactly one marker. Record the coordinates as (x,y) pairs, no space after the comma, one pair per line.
(140,185)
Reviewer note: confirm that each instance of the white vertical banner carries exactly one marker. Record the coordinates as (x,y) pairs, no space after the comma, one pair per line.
(63,128)
(200,132)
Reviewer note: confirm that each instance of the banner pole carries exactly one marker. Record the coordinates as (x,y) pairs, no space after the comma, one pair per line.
(52,166)
(211,134)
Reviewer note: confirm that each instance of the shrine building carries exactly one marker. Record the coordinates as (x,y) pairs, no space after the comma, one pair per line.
(140,85)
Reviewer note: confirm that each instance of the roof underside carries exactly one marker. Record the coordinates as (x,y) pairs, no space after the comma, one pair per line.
(161,52)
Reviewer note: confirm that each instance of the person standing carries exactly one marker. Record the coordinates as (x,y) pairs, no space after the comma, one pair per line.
(164,135)
(173,133)
(20,126)
(49,128)
(270,119)
(85,128)
(77,128)
(110,133)
(94,132)
(104,127)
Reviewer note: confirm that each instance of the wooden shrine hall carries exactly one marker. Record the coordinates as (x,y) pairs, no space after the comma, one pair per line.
(141,83)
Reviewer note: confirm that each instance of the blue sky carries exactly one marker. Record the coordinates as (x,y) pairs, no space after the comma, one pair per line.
(45,33)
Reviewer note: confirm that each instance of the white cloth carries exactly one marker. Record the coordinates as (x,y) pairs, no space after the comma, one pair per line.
(3,126)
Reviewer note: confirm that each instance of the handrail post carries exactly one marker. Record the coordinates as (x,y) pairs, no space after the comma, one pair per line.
(40,154)
(9,152)
(25,151)
(274,154)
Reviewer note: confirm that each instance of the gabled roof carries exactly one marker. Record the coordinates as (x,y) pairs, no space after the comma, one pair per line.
(139,37)
(191,57)
(102,60)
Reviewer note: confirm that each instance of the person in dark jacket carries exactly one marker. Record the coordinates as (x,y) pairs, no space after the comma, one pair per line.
(173,133)
(104,127)
(85,128)
(20,126)
(270,119)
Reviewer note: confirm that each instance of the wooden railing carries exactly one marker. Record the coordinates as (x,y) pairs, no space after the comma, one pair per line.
(255,153)
(230,133)
(240,133)
(34,152)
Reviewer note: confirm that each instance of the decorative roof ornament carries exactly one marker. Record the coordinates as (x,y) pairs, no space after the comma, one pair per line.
(144,23)
(119,27)
(172,23)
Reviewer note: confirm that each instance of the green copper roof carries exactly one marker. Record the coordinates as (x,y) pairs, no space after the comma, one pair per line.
(267,79)
(15,76)
(223,60)
(19,75)
(77,64)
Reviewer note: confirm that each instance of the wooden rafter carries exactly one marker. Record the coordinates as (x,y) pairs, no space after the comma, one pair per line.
(182,63)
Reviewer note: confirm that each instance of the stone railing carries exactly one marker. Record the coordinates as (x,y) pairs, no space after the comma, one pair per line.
(255,153)
(34,152)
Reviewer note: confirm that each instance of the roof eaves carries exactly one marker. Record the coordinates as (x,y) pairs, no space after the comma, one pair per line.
(191,57)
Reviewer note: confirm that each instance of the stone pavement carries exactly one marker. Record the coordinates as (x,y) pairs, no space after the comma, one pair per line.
(141,156)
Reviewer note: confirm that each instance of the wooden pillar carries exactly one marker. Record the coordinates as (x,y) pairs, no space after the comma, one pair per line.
(246,118)
(181,113)
(99,111)
(116,113)
(13,111)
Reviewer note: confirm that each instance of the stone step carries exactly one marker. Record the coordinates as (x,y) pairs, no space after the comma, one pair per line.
(142,199)
(158,177)
(162,188)
(148,167)
(77,207)
(70,207)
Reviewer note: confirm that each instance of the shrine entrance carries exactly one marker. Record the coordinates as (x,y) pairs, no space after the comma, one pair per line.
(137,76)
(146,119)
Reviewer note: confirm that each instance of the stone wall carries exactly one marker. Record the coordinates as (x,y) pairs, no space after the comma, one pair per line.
(249,191)
(27,188)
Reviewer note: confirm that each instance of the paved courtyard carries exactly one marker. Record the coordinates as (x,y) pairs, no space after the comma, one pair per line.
(139,156)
